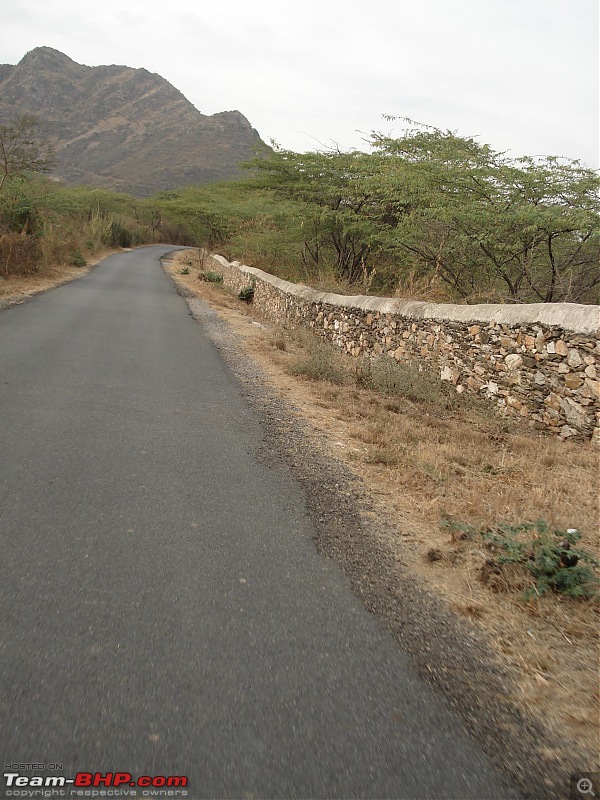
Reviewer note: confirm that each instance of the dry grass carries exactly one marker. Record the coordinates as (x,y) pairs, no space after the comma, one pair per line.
(425,455)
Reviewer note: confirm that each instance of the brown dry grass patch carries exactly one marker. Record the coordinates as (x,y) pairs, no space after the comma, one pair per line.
(424,458)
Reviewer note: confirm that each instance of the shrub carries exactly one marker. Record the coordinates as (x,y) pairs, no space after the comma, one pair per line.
(385,374)
(547,554)
(77,260)
(320,362)
(211,277)
(119,235)
(19,254)
(246,293)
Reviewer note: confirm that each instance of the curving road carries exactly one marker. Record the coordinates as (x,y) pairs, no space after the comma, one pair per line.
(163,608)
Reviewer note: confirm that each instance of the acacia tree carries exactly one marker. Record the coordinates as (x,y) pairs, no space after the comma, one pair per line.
(446,206)
(521,229)
(334,225)
(23,149)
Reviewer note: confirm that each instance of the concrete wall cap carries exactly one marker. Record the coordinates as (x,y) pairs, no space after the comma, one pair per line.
(574,317)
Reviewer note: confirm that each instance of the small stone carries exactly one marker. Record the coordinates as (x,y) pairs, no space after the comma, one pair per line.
(594,387)
(474,330)
(574,360)
(513,361)
(563,368)
(492,387)
(530,342)
(574,413)
(513,402)
(552,401)
(561,348)
(589,360)
(539,378)
(573,381)
(566,431)
(591,372)
(446,373)
(551,348)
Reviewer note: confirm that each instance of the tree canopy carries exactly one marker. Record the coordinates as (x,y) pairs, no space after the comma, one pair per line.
(443,206)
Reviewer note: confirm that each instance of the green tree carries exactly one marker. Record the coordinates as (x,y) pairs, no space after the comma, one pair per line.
(521,229)
(334,224)
(443,206)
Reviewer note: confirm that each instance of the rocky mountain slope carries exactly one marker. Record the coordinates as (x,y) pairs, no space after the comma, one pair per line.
(122,128)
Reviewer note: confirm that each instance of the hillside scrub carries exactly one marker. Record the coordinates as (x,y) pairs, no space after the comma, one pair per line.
(448,209)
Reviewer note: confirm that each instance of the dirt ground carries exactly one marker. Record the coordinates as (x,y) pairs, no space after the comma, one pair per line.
(417,464)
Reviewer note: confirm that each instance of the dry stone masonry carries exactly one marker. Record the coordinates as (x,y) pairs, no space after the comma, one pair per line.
(540,361)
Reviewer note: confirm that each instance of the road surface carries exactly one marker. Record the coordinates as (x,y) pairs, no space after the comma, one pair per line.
(163,607)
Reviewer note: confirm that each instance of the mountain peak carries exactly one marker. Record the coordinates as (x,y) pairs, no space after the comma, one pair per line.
(123,128)
(47,58)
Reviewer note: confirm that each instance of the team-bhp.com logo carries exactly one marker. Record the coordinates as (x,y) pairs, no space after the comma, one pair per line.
(89,780)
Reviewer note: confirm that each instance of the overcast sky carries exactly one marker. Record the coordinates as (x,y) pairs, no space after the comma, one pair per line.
(520,74)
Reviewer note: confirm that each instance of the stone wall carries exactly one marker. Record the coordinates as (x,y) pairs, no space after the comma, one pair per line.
(540,361)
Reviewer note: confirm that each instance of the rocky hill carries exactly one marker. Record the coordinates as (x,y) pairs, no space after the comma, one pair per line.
(122,128)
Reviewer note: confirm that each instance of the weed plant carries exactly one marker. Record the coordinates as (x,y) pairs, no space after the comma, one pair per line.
(549,555)
(211,277)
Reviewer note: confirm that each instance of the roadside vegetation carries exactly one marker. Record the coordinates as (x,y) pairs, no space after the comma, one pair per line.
(428,215)
(47,230)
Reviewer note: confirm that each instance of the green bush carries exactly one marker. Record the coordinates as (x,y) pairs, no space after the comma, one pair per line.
(246,293)
(77,260)
(120,236)
(547,554)
(211,277)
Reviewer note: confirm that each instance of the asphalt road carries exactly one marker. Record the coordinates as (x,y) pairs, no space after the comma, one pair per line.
(163,609)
